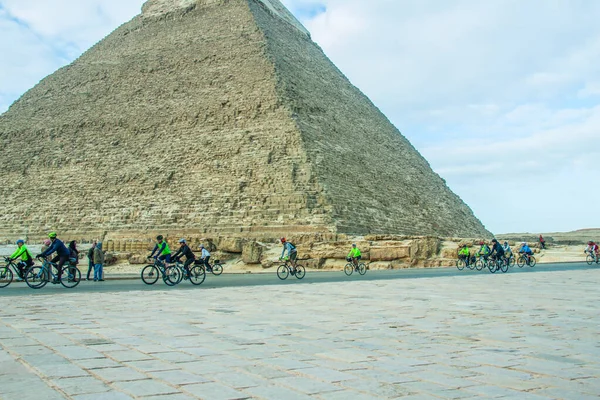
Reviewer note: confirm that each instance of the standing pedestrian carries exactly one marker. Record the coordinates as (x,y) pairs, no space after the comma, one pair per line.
(90,256)
(98,262)
(542,242)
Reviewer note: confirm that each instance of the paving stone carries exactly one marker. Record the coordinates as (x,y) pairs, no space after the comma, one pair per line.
(178,377)
(83,385)
(215,391)
(114,395)
(119,374)
(144,388)
(272,392)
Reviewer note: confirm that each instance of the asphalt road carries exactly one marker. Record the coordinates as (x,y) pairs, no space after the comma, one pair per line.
(264,279)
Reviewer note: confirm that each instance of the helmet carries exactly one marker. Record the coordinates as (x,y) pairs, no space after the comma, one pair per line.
(524,243)
(20,241)
(52,235)
(282,240)
(494,241)
(481,243)
(353,244)
(505,242)
(47,242)
(590,242)
(159,237)
(182,240)
(201,246)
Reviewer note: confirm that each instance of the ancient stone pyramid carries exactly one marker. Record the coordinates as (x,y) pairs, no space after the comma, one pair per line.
(213,116)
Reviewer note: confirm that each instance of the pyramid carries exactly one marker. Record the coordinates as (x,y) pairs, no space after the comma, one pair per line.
(213,116)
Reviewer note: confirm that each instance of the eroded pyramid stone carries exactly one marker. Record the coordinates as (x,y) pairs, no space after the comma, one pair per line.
(215,116)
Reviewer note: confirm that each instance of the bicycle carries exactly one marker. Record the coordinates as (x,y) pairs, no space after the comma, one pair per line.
(498,263)
(6,272)
(592,258)
(37,276)
(286,269)
(216,268)
(170,274)
(482,262)
(349,268)
(196,273)
(526,259)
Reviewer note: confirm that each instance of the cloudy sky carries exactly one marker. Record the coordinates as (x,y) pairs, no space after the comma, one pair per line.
(501,96)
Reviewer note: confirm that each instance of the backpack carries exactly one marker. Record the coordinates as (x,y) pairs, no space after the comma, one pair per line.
(293,247)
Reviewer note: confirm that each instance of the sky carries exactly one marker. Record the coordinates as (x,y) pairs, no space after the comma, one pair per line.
(502,97)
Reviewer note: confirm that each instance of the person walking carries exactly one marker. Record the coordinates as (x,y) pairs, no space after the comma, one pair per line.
(90,256)
(98,263)
(542,242)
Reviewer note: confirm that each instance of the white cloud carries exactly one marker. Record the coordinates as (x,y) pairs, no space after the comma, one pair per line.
(501,96)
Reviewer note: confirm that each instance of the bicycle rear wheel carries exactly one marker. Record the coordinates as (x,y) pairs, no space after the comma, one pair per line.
(172,276)
(150,274)
(70,277)
(6,276)
(197,275)
(217,269)
(300,271)
(532,261)
(503,265)
(282,272)
(34,277)
(362,268)
(348,269)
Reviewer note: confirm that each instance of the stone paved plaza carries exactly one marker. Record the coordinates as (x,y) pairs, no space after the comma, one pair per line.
(474,336)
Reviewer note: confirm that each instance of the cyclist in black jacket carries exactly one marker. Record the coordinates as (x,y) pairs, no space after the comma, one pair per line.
(62,252)
(497,250)
(185,250)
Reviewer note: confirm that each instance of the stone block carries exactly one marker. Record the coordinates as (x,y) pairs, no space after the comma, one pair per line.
(252,253)
(231,245)
(389,253)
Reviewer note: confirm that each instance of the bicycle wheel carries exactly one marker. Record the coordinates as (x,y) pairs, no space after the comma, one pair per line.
(150,274)
(511,261)
(34,277)
(479,265)
(217,269)
(504,265)
(348,269)
(6,276)
(362,268)
(282,272)
(300,271)
(589,260)
(493,266)
(70,277)
(460,264)
(197,275)
(532,261)
(521,261)
(172,276)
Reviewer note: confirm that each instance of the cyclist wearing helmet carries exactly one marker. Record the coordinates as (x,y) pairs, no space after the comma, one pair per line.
(354,254)
(184,250)
(464,253)
(497,250)
(58,247)
(292,252)
(163,253)
(26,259)
(205,256)
(484,251)
(592,249)
(525,249)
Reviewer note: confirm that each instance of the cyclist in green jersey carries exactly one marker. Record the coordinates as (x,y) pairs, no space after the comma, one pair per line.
(163,253)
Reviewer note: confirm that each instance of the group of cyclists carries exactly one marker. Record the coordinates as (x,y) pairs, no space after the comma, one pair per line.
(163,253)
(496,252)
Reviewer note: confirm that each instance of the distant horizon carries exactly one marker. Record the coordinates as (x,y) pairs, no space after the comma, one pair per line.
(508,117)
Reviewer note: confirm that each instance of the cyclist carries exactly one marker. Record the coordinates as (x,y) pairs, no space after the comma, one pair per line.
(497,251)
(526,250)
(163,253)
(484,251)
(354,255)
(26,259)
(592,249)
(62,253)
(205,256)
(292,252)
(184,250)
(464,253)
(507,250)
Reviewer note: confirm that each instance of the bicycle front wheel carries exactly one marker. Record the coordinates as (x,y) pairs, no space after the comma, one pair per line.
(300,271)
(362,268)
(589,260)
(172,276)
(492,266)
(6,276)
(521,261)
(150,274)
(34,277)
(348,269)
(197,275)
(282,272)
(70,277)
(479,265)
(217,269)
(460,264)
